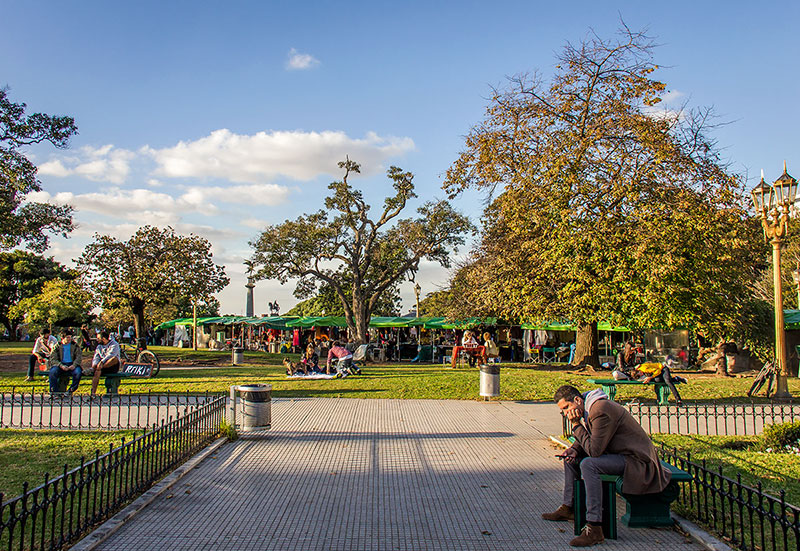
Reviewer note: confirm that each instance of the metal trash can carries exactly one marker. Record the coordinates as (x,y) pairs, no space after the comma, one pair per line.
(256,406)
(490,381)
(238,356)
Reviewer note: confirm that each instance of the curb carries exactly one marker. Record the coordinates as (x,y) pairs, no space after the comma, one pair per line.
(695,532)
(700,536)
(105,530)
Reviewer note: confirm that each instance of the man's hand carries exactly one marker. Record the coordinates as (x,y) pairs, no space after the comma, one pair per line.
(647,380)
(569,455)
(574,416)
(66,367)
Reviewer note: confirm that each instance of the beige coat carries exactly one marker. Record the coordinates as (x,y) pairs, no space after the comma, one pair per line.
(613,430)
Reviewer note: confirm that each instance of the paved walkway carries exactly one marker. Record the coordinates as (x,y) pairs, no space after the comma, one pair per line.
(338,474)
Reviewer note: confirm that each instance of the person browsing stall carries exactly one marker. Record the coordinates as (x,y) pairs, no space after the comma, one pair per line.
(66,358)
(608,440)
(106,358)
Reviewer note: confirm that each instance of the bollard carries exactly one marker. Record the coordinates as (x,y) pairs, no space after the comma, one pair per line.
(237,356)
(490,381)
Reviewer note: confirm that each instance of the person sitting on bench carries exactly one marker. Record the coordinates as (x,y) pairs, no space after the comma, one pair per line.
(608,440)
(106,358)
(66,358)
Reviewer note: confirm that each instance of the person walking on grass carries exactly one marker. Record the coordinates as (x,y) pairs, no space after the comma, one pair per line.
(106,358)
(42,348)
(608,440)
(66,358)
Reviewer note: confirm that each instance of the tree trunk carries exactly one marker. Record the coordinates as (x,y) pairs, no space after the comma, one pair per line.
(586,345)
(137,307)
(361,326)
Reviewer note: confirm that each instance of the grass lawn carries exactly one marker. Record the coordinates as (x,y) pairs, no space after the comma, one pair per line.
(25,455)
(742,454)
(517,381)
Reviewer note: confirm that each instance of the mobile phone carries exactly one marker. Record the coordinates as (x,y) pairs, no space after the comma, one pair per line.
(560,456)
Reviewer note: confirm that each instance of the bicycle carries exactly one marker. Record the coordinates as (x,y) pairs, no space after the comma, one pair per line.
(768,375)
(141,354)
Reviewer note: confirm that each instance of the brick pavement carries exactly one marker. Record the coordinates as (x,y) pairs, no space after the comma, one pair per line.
(355,474)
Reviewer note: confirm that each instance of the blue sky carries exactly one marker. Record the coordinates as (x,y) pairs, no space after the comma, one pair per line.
(220,118)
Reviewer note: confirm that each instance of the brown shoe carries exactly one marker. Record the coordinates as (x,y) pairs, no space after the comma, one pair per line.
(590,535)
(563,513)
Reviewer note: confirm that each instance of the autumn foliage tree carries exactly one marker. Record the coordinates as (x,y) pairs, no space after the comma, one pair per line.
(359,258)
(603,206)
(23,221)
(152,269)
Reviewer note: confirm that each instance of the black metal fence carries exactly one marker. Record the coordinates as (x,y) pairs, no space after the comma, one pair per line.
(58,512)
(712,419)
(745,516)
(103,412)
(707,418)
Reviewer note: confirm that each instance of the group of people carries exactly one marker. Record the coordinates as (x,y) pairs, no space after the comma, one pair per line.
(474,350)
(340,360)
(646,372)
(62,358)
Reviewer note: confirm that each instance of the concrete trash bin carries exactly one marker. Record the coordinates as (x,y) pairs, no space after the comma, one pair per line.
(256,406)
(238,356)
(490,381)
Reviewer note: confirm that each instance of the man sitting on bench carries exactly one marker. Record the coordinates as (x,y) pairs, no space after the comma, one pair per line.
(66,358)
(106,358)
(608,440)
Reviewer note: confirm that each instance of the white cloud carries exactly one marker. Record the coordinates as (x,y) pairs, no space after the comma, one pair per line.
(300,62)
(152,182)
(102,164)
(257,223)
(266,155)
(253,194)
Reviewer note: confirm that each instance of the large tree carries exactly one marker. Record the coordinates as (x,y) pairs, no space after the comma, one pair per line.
(23,221)
(153,268)
(605,208)
(360,258)
(61,300)
(22,275)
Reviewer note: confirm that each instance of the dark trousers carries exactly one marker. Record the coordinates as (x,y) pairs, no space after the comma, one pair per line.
(590,469)
(32,363)
(56,371)
(666,377)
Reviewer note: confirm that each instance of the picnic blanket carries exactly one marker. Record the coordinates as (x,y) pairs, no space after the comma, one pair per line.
(311,376)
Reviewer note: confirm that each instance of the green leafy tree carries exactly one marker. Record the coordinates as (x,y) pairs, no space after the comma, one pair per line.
(150,269)
(604,208)
(59,300)
(359,258)
(22,275)
(23,221)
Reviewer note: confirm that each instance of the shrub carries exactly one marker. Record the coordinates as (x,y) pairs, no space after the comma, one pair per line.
(781,436)
(228,430)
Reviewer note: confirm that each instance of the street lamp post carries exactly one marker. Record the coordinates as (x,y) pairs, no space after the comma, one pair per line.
(772,204)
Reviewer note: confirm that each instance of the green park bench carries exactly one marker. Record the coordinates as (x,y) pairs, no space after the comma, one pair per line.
(609,386)
(135,371)
(112,380)
(641,510)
